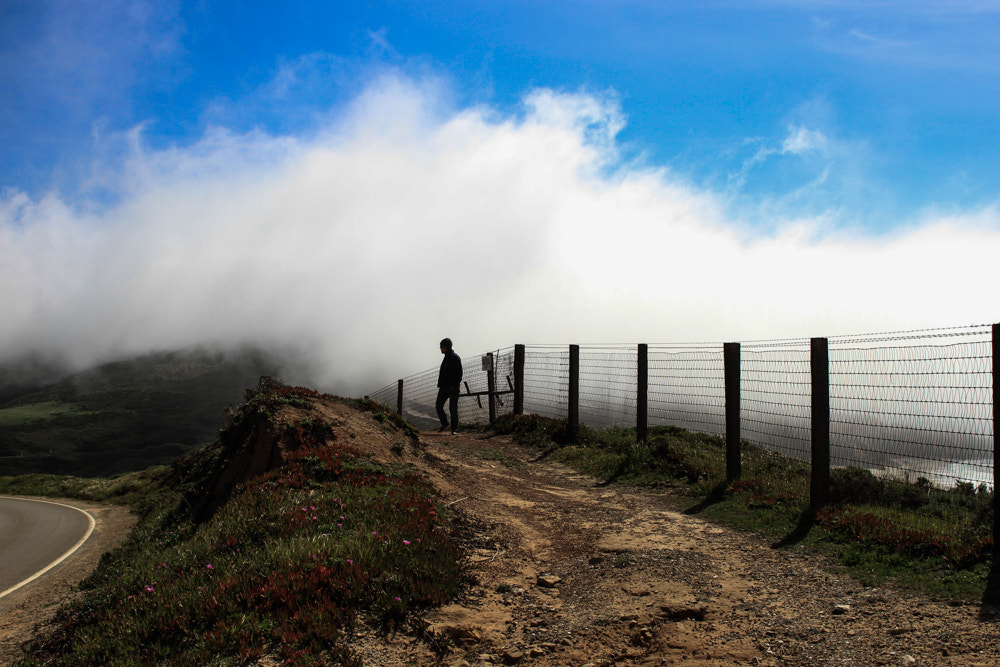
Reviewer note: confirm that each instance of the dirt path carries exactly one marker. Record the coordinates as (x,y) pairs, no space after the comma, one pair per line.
(571,573)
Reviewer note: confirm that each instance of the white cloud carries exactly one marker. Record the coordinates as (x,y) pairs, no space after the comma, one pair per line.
(801,140)
(405,220)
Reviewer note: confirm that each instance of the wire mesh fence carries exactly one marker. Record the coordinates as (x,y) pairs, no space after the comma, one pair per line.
(420,392)
(687,387)
(906,405)
(915,405)
(776,397)
(607,386)
(546,381)
(911,407)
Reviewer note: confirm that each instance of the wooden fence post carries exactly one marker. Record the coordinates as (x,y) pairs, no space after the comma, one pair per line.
(399,398)
(574,390)
(518,380)
(491,386)
(992,593)
(819,362)
(642,395)
(731,362)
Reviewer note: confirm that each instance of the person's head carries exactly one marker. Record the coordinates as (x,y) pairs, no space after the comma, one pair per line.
(445,345)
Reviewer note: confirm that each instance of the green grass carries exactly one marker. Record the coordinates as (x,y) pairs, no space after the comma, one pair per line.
(938,542)
(135,489)
(287,567)
(35,412)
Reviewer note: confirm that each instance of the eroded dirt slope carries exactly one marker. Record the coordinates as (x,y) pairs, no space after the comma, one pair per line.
(572,573)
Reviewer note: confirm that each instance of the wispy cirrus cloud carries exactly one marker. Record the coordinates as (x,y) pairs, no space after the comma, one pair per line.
(955,36)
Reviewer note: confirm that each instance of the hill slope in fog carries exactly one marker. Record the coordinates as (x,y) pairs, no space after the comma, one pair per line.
(120,416)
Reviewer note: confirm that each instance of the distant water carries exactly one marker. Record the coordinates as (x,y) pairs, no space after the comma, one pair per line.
(977,471)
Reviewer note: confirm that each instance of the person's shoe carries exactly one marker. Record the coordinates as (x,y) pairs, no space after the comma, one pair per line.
(454,432)
(443,429)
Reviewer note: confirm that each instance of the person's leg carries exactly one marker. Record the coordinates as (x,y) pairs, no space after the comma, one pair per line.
(443,395)
(453,407)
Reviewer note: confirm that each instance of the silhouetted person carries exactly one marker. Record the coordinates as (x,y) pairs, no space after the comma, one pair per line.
(449,382)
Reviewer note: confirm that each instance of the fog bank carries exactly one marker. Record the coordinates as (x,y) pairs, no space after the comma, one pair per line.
(356,248)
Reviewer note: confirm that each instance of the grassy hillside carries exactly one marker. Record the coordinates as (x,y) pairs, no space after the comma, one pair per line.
(274,541)
(27,375)
(121,416)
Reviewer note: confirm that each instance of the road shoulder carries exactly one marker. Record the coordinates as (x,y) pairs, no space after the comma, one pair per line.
(25,611)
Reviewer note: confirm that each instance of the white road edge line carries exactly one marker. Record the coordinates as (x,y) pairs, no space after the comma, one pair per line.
(66,555)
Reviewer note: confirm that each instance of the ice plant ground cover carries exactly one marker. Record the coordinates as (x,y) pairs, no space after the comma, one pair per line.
(284,567)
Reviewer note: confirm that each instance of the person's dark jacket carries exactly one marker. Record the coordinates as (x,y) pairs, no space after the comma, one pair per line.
(451,370)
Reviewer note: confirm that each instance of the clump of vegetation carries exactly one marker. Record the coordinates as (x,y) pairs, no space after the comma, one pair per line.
(535,431)
(932,540)
(287,567)
(268,396)
(384,416)
(671,457)
(141,491)
(915,520)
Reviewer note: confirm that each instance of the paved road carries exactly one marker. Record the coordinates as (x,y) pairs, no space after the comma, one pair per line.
(36,535)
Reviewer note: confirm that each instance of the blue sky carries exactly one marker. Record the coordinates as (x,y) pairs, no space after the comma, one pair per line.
(900,98)
(854,141)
